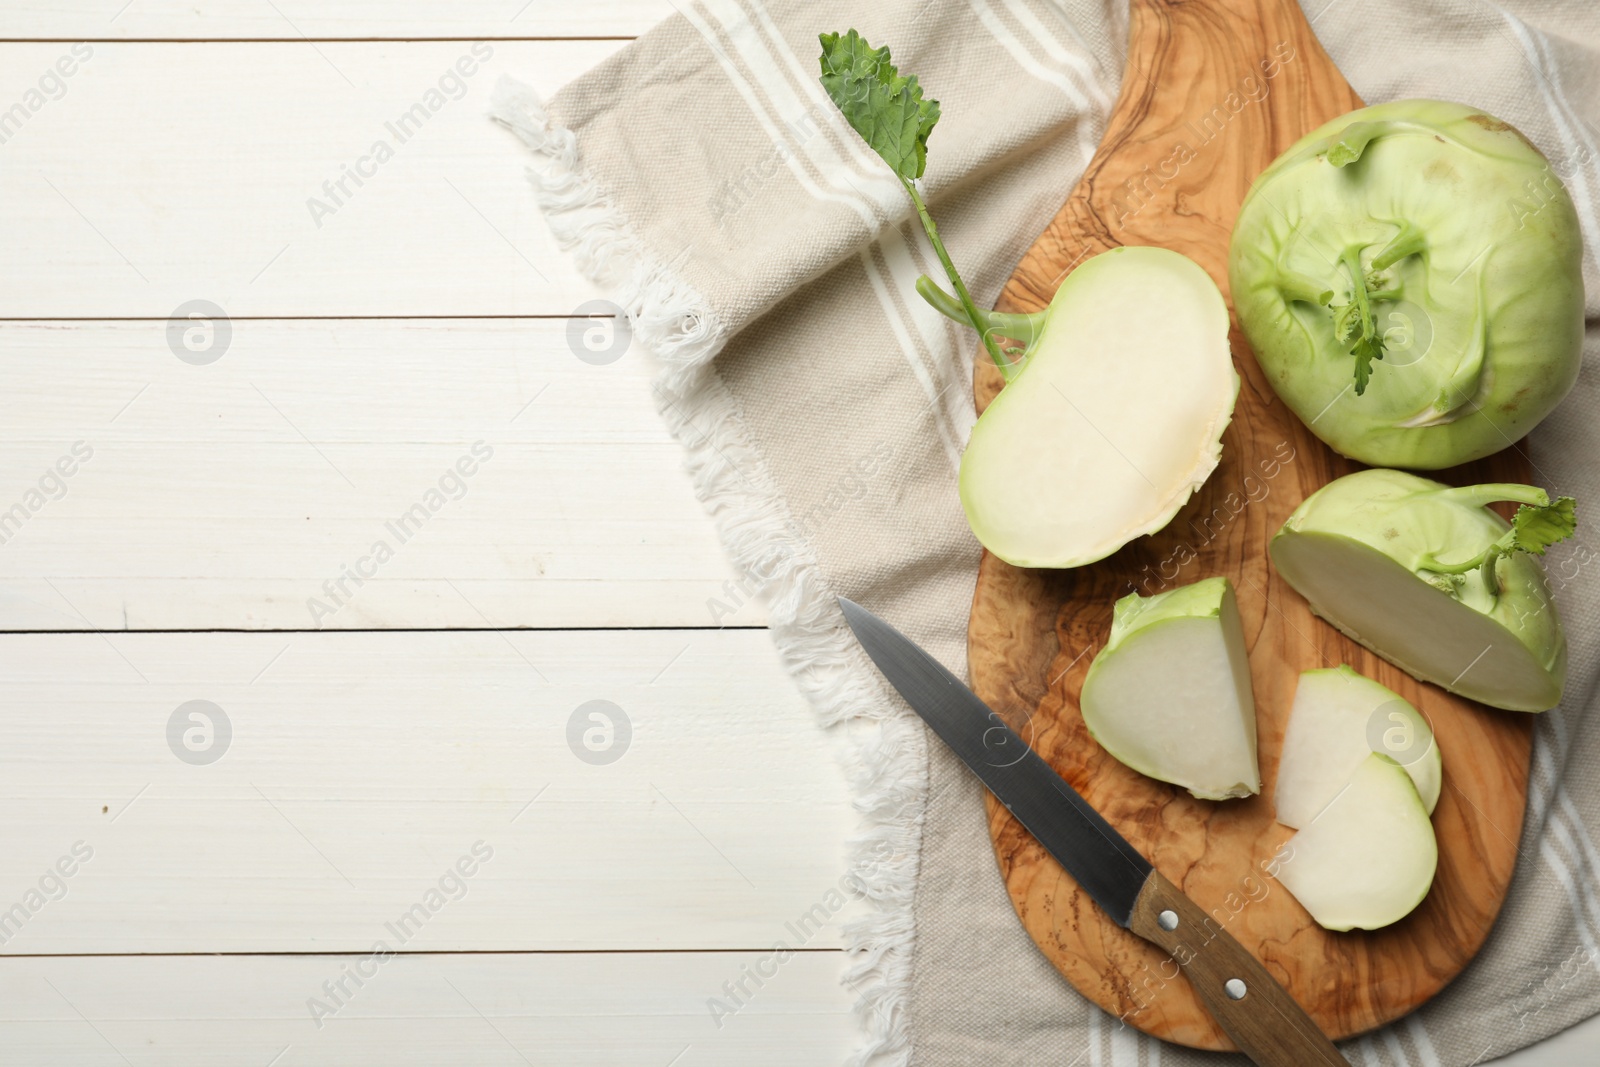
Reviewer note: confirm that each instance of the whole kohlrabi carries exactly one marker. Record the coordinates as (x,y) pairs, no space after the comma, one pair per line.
(1410,278)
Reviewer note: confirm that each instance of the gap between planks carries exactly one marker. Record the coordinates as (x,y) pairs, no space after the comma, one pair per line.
(531,316)
(736,950)
(395,630)
(574,38)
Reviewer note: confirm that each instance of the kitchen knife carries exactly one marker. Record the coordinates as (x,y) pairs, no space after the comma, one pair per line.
(1249,1004)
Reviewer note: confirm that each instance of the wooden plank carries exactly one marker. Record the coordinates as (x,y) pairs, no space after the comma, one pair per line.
(359,770)
(228,495)
(580,1010)
(573,1009)
(293,19)
(121,199)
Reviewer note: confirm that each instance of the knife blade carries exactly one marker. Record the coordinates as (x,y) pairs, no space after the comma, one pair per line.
(1248,1003)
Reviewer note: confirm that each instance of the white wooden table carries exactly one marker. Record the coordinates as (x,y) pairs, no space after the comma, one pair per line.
(384,760)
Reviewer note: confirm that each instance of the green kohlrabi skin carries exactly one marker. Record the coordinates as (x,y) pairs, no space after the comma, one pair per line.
(1203,599)
(1469,258)
(1429,529)
(1170,693)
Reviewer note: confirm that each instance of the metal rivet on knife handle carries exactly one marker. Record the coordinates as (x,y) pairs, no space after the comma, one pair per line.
(1239,992)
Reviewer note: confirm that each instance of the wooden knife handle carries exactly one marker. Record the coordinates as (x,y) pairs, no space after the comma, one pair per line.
(1248,1003)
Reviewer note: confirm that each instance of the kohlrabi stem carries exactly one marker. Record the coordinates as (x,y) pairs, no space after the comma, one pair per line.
(1483,563)
(1482,496)
(1008,370)
(1408,242)
(1297,286)
(1358,293)
(1456,568)
(941,301)
(1495,492)
(1352,141)
(1017,326)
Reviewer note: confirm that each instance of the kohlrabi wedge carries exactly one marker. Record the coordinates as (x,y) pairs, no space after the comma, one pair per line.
(1117,394)
(1430,579)
(1169,695)
(1410,276)
(1339,719)
(1368,858)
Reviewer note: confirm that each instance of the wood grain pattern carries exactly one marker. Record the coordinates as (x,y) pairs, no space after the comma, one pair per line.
(1212,93)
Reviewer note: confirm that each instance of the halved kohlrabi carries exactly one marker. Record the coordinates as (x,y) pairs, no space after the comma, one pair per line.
(1169,695)
(1117,398)
(1368,858)
(1114,419)
(1434,582)
(1338,720)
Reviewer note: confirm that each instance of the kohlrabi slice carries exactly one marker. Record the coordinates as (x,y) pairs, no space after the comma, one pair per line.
(1115,419)
(1339,719)
(1169,695)
(1410,277)
(1433,581)
(1117,394)
(1368,858)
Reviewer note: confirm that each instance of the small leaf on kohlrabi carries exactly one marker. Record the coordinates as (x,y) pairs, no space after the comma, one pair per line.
(1366,349)
(888,111)
(1534,529)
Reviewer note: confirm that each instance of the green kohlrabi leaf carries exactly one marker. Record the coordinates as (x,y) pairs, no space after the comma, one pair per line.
(1534,529)
(888,111)
(1356,323)
(1366,349)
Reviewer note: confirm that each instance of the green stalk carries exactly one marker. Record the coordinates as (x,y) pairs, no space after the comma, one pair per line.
(1008,370)
(1483,496)
(1495,492)
(1408,242)
(1017,326)
(1296,286)
(1483,563)
(1359,294)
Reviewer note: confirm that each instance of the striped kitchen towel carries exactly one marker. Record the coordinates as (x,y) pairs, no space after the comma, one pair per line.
(767,258)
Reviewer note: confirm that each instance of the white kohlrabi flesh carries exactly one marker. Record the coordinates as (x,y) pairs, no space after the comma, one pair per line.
(1426,246)
(1368,858)
(1169,695)
(1338,720)
(1115,419)
(1430,579)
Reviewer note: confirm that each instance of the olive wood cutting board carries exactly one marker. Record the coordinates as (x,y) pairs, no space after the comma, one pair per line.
(1213,91)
